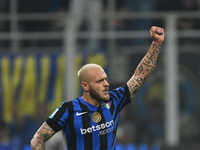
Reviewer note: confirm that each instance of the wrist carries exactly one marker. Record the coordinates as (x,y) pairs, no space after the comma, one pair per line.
(157,42)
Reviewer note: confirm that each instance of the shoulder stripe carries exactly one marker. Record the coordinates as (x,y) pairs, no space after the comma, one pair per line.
(122,92)
(61,111)
(116,92)
(112,95)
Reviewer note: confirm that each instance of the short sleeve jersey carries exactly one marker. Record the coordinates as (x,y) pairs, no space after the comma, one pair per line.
(87,127)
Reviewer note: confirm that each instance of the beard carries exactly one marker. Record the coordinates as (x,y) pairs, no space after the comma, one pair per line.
(96,96)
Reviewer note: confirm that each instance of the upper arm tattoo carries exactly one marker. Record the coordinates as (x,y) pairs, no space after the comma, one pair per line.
(44,133)
(144,69)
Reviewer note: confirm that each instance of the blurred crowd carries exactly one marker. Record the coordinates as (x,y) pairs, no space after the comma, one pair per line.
(17,134)
(124,6)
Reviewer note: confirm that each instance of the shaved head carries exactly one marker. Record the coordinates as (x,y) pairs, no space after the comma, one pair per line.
(93,80)
(83,72)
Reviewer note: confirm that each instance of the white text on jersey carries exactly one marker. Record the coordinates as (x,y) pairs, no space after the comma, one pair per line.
(99,127)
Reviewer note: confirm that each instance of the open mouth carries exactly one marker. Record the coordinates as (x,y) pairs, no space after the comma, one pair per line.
(105,91)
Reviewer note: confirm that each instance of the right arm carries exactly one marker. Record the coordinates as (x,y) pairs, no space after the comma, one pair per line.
(148,63)
(44,133)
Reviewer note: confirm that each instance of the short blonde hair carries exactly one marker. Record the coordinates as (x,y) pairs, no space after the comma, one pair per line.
(84,70)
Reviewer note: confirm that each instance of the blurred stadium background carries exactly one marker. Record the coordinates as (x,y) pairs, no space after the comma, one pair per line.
(44,43)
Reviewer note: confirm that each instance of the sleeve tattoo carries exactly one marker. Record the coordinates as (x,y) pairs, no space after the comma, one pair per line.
(144,69)
(44,133)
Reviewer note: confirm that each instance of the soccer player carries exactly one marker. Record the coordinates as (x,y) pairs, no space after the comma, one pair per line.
(90,121)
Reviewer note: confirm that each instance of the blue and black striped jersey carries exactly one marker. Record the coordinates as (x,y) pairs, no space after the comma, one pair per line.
(87,127)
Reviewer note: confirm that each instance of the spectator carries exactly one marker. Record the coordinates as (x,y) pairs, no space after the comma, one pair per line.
(6,141)
(185,5)
(4,24)
(177,5)
(188,23)
(27,126)
(34,6)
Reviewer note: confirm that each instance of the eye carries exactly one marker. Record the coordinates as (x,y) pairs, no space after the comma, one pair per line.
(99,81)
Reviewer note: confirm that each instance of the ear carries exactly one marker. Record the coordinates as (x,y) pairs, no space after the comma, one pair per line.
(85,86)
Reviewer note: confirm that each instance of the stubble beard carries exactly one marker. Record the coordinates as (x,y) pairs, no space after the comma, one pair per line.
(96,96)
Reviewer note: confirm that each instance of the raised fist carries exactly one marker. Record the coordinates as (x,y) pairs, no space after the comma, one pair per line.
(157,34)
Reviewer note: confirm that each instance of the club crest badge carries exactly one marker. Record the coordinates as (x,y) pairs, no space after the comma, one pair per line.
(96,117)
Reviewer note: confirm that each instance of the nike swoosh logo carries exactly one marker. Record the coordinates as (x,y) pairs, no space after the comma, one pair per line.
(79,114)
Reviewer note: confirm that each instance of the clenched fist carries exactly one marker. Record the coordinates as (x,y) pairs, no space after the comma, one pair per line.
(157,34)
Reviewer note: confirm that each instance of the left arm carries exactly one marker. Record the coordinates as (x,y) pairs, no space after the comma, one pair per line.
(148,63)
(44,133)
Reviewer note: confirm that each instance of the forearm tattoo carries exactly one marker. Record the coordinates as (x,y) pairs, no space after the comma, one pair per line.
(144,69)
(41,136)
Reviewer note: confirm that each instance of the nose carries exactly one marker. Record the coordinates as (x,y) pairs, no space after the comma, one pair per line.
(106,83)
